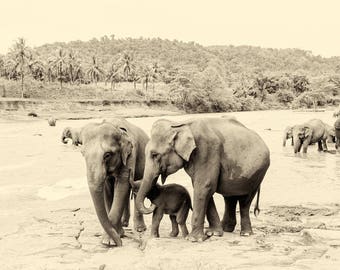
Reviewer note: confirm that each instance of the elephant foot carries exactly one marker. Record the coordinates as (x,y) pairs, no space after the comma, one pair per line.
(214,230)
(228,227)
(246,233)
(125,223)
(139,225)
(174,233)
(107,240)
(154,235)
(196,237)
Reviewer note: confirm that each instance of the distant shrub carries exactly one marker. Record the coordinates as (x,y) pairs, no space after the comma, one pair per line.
(310,99)
(285,96)
(106,102)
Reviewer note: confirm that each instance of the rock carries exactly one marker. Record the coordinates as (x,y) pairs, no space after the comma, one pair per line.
(52,121)
(307,238)
(33,114)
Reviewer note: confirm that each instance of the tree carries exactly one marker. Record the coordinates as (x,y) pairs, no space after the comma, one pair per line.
(73,67)
(36,68)
(59,64)
(21,56)
(300,84)
(134,76)
(113,76)
(127,65)
(95,72)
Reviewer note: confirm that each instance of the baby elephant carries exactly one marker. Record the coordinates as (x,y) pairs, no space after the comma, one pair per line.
(171,199)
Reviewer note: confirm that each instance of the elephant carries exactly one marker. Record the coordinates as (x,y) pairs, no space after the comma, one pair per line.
(172,199)
(51,121)
(72,133)
(313,131)
(337,133)
(220,155)
(287,134)
(112,149)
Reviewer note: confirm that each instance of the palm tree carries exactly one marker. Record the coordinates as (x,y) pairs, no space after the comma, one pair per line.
(127,65)
(72,66)
(21,56)
(94,72)
(134,76)
(113,76)
(36,68)
(59,64)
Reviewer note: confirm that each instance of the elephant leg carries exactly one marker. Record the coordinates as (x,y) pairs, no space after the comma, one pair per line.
(245,202)
(126,213)
(320,146)
(138,219)
(215,227)
(292,143)
(229,218)
(156,219)
(174,232)
(184,230)
(324,144)
(202,194)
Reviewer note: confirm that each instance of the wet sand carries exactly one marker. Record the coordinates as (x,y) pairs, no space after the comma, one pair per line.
(47,220)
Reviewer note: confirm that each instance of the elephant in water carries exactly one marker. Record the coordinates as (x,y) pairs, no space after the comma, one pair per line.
(313,131)
(114,156)
(220,155)
(71,133)
(288,134)
(337,133)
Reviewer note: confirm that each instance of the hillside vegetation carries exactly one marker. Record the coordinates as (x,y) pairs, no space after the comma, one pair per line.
(193,77)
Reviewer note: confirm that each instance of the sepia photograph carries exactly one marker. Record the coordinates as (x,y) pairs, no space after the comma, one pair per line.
(180,135)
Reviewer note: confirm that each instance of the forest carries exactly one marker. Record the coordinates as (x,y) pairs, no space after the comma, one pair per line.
(193,77)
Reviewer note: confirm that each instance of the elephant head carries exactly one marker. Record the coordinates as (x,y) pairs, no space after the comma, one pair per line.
(330,134)
(168,150)
(109,152)
(302,135)
(287,134)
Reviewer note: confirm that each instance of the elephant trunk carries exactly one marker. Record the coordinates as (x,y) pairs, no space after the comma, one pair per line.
(297,144)
(146,184)
(97,194)
(284,139)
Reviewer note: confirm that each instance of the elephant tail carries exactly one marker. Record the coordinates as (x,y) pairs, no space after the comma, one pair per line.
(257,208)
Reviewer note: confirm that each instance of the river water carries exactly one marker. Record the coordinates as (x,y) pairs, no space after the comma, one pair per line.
(36,166)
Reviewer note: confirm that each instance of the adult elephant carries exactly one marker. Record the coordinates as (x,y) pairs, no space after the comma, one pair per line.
(288,134)
(220,155)
(337,133)
(114,155)
(73,134)
(313,131)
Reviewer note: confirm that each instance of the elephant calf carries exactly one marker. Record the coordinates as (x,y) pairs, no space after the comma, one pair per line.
(73,134)
(172,199)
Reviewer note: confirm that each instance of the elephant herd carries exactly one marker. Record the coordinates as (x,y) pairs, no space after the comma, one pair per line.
(311,132)
(219,154)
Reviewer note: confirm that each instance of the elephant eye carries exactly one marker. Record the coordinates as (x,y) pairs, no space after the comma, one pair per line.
(154,155)
(107,155)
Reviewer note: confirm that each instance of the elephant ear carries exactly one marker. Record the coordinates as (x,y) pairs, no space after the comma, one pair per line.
(126,146)
(184,141)
(307,131)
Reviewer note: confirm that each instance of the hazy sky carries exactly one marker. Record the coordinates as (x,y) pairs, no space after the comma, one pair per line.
(307,24)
